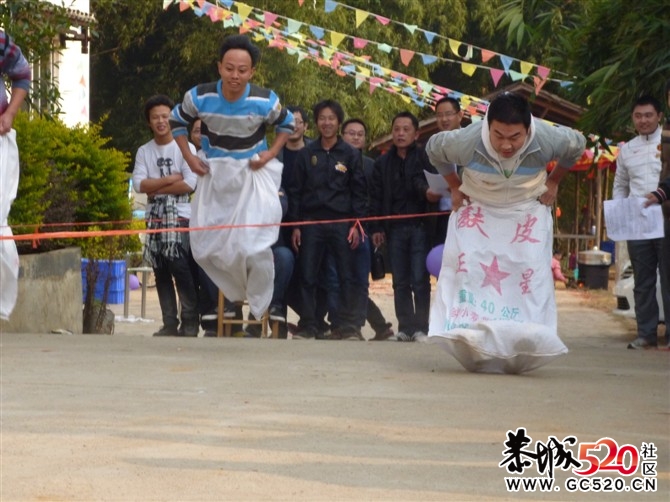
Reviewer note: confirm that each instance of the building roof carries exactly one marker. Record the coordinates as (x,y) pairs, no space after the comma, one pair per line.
(545,105)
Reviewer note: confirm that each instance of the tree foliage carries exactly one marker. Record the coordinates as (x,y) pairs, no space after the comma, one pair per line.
(34,25)
(611,52)
(168,52)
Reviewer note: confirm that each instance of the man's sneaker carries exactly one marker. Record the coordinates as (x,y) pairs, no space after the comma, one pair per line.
(277,313)
(384,334)
(350,334)
(401,337)
(641,343)
(167,331)
(305,334)
(210,316)
(419,336)
(189,328)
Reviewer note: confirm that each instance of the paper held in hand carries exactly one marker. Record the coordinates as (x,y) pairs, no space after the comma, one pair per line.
(437,183)
(627,219)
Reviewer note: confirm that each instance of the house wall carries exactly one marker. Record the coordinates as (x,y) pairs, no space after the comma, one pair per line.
(73,76)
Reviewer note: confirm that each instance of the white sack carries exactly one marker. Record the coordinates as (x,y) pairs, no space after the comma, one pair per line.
(9,257)
(238,260)
(494,308)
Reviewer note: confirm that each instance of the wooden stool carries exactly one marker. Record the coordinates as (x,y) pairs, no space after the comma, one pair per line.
(224,327)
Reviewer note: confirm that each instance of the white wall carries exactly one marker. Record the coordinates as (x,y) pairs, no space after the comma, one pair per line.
(74,75)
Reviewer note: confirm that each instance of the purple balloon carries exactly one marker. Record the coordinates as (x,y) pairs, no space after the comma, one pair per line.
(434,260)
(133,282)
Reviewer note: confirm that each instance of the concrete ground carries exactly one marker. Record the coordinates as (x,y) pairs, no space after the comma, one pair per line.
(129,417)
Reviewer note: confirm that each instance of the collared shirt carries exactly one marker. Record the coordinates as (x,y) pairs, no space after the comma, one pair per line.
(14,65)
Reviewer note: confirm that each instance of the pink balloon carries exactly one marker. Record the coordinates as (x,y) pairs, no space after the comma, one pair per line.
(133,282)
(434,260)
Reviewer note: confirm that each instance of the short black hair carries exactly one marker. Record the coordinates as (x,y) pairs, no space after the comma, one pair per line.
(509,108)
(154,101)
(648,99)
(301,111)
(240,42)
(448,99)
(333,105)
(407,115)
(354,121)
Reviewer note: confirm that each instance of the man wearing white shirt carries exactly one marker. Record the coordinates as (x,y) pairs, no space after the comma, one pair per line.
(638,173)
(162,173)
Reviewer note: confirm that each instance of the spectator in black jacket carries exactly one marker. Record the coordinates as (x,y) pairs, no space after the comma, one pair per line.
(399,187)
(328,184)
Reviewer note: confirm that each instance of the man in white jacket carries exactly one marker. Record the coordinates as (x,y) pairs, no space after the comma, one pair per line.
(494,308)
(638,173)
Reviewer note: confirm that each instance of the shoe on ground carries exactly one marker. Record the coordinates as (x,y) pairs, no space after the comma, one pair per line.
(383,335)
(167,331)
(306,334)
(401,337)
(210,333)
(641,344)
(277,313)
(350,334)
(253,331)
(210,316)
(189,328)
(419,336)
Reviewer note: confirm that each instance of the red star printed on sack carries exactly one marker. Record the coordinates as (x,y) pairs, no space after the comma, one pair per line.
(493,275)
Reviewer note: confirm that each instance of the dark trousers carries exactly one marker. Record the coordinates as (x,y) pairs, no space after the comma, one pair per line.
(177,273)
(646,257)
(408,248)
(315,240)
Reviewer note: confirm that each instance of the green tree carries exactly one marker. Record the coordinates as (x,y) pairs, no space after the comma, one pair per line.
(611,52)
(143,49)
(34,25)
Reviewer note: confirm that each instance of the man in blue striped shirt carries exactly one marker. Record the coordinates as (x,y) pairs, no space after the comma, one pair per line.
(235,113)
(240,175)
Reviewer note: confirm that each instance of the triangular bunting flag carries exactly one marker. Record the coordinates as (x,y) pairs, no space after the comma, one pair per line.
(293,26)
(539,82)
(543,72)
(410,27)
(526,67)
(486,55)
(330,6)
(382,20)
(167,3)
(454,45)
(317,32)
(468,53)
(384,48)
(361,16)
(300,2)
(183,6)
(430,36)
(269,18)
(515,75)
(359,43)
(506,61)
(428,59)
(406,56)
(496,74)
(336,38)
(359,80)
(243,9)
(468,69)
